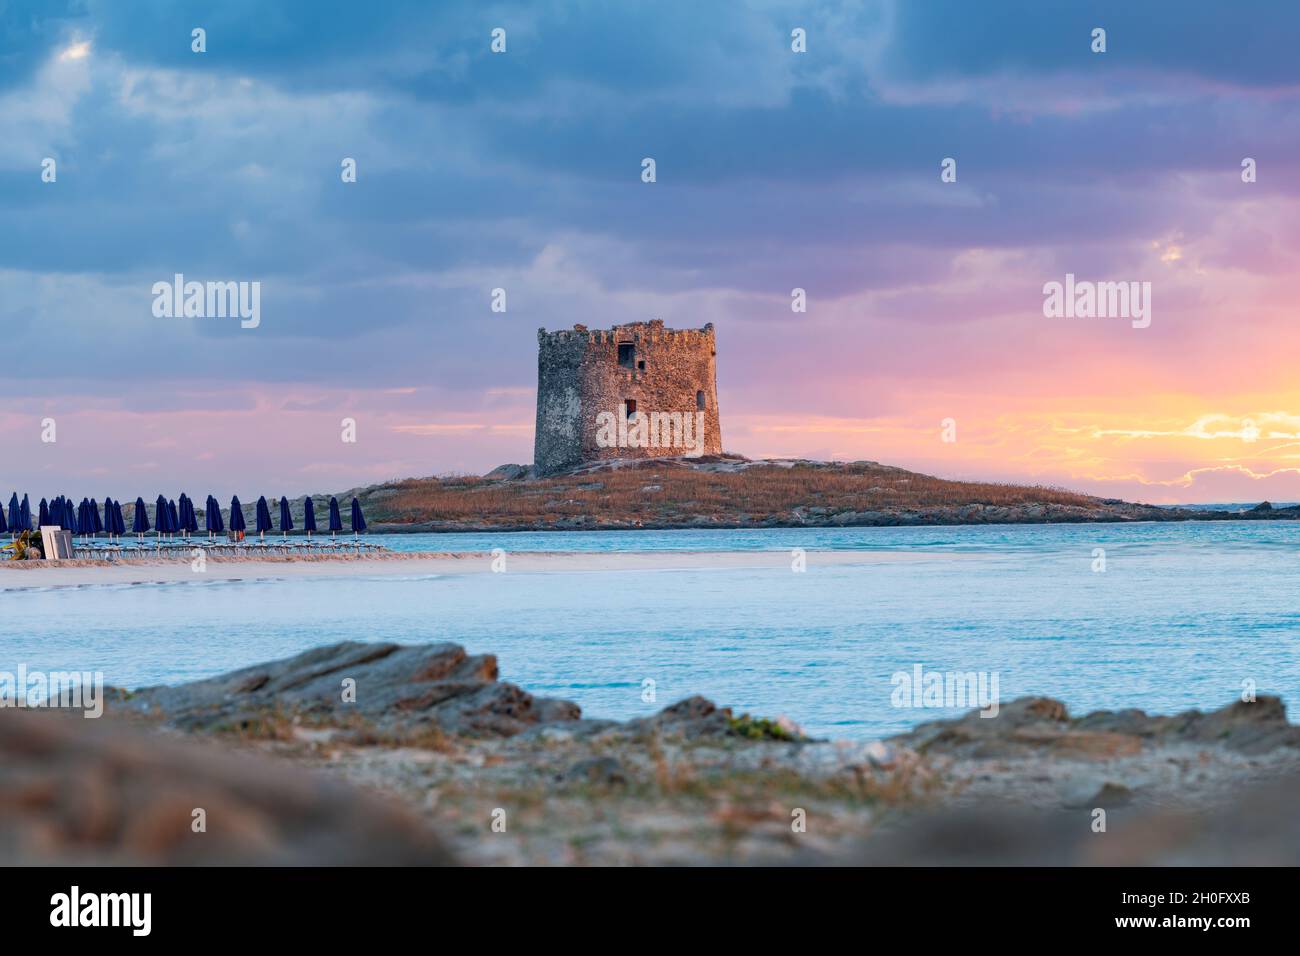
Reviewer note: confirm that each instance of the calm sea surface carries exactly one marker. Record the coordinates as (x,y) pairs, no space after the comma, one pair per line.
(1181,616)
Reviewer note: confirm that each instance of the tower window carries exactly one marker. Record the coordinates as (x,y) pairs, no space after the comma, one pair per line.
(699,400)
(626,354)
(641,364)
(629,406)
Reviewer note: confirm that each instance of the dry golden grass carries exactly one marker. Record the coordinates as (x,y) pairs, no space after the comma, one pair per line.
(669,492)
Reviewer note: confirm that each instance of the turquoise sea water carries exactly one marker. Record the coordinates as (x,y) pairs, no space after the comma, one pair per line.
(1181,616)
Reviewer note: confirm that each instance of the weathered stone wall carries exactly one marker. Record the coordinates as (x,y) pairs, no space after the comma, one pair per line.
(579,377)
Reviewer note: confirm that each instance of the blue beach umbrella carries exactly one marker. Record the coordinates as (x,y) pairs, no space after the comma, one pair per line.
(119,522)
(336,520)
(83,516)
(14,513)
(173,519)
(140,518)
(191,518)
(182,519)
(161,517)
(70,517)
(212,517)
(4,526)
(25,514)
(308,516)
(96,525)
(236,515)
(358,519)
(263,516)
(43,515)
(286,519)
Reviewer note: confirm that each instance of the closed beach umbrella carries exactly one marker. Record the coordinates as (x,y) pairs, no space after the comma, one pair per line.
(96,525)
(336,520)
(4,525)
(236,515)
(263,516)
(161,516)
(191,519)
(140,519)
(14,514)
(286,519)
(212,517)
(119,521)
(43,515)
(182,516)
(358,519)
(25,514)
(70,517)
(173,518)
(308,516)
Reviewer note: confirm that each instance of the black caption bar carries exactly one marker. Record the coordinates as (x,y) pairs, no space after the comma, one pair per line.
(307,905)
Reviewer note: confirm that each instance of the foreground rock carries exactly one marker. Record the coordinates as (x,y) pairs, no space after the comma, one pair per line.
(75,791)
(1033,725)
(696,784)
(401,693)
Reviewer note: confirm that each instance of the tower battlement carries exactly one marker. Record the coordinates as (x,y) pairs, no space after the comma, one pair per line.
(638,390)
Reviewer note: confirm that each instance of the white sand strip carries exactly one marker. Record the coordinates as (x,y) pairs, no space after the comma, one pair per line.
(41,574)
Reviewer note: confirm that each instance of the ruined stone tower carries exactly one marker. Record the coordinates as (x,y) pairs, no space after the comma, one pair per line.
(634,391)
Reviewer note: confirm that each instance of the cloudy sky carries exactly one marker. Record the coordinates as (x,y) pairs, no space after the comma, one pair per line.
(775,170)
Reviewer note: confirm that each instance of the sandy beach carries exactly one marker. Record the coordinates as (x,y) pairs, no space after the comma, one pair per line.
(158,570)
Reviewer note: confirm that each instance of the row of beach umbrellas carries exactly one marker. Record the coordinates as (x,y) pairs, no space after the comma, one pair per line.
(170,517)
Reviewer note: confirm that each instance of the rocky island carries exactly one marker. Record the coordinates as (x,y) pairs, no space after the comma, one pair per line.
(728,491)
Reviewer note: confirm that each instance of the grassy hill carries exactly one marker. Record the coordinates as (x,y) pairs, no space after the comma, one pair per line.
(724,492)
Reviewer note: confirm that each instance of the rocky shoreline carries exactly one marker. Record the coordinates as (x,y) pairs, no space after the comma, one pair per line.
(434,760)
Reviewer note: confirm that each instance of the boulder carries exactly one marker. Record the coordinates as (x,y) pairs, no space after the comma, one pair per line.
(400,691)
(79,792)
(1031,725)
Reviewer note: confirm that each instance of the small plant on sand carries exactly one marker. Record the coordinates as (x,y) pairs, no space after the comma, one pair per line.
(759,728)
